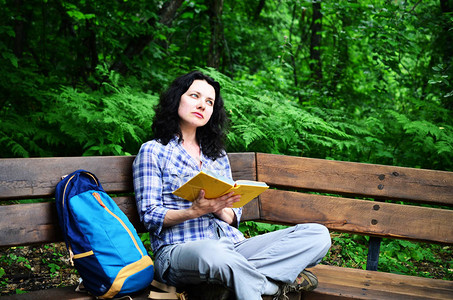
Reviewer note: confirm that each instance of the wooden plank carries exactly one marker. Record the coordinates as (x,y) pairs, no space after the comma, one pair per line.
(368,180)
(69,293)
(54,293)
(36,223)
(359,216)
(362,284)
(334,283)
(24,224)
(37,177)
(66,293)
(243,166)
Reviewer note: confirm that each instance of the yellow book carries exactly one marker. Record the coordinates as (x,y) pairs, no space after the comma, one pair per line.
(216,186)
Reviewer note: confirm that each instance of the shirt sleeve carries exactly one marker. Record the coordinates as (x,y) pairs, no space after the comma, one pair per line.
(148,187)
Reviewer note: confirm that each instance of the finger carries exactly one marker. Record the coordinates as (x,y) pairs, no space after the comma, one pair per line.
(201,194)
(236,198)
(227,196)
(232,200)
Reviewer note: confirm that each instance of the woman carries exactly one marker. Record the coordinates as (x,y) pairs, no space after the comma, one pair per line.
(199,242)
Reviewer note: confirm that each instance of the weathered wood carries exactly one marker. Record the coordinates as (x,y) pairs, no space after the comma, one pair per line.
(24,224)
(65,293)
(69,293)
(26,178)
(55,293)
(33,223)
(38,177)
(243,166)
(367,180)
(361,284)
(359,216)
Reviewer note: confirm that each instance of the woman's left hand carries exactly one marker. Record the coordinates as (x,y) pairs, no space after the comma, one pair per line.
(220,207)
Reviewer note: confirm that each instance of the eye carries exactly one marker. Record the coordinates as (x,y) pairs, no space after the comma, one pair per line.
(194,95)
(210,102)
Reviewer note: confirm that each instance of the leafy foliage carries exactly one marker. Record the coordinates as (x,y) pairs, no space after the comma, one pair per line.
(112,121)
(78,80)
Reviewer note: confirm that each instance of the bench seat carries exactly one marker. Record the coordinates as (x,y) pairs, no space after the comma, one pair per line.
(346,283)
(334,283)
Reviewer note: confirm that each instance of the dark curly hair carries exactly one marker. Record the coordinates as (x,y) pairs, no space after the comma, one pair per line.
(166,119)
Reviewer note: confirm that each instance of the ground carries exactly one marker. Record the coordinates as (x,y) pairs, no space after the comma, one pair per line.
(32,268)
(45,266)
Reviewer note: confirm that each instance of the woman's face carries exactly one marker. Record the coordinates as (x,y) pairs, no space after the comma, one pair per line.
(196,105)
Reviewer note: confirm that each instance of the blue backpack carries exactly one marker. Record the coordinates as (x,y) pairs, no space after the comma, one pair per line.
(102,243)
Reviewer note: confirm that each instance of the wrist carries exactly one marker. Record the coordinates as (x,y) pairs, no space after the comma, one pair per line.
(193,212)
(226,214)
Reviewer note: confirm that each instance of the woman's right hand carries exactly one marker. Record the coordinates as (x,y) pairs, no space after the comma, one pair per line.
(203,206)
(221,207)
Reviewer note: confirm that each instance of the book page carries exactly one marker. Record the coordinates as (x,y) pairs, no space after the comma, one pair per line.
(250,182)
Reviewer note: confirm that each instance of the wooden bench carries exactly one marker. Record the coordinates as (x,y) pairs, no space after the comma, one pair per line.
(301,185)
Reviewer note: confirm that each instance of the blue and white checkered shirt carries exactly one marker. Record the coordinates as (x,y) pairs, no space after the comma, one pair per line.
(159,170)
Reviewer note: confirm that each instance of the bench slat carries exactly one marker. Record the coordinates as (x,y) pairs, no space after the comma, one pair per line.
(362,284)
(367,180)
(24,224)
(33,223)
(243,166)
(37,177)
(359,216)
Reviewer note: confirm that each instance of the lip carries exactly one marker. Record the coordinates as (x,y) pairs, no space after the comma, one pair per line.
(198,115)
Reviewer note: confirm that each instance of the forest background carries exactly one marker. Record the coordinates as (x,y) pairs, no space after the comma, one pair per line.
(366,81)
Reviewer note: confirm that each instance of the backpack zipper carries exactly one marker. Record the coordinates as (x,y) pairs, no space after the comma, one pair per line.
(98,198)
(71,254)
(66,185)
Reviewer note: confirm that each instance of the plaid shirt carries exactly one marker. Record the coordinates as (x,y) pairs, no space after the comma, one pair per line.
(159,170)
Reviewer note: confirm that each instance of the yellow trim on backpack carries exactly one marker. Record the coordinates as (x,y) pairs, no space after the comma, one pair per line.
(98,198)
(125,272)
(84,254)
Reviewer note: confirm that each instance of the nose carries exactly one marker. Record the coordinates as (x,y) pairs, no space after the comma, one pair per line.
(201,104)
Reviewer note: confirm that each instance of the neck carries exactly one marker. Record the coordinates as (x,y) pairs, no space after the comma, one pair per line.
(189,135)
(189,142)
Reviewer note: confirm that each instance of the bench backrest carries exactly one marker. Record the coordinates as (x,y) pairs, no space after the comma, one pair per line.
(309,190)
(35,178)
(334,194)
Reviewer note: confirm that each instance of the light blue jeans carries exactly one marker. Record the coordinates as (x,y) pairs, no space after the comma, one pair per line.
(248,266)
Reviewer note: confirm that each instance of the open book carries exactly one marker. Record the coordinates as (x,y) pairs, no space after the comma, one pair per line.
(216,186)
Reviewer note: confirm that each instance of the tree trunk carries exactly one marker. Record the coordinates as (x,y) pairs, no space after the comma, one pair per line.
(258,10)
(215,21)
(166,16)
(292,54)
(446,49)
(315,42)
(19,29)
